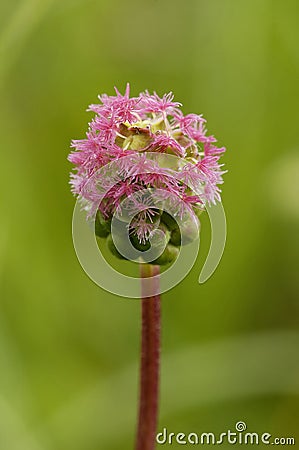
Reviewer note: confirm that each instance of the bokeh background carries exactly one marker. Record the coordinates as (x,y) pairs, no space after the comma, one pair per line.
(68,350)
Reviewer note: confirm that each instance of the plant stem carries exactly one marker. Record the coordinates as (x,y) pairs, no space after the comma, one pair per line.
(150,363)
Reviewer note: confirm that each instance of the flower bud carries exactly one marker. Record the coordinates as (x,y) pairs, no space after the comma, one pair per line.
(169,221)
(168,256)
(102,227)
(141,246)
(148,144)
(189,230)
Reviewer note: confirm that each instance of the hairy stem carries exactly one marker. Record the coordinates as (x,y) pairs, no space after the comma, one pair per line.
(150,363)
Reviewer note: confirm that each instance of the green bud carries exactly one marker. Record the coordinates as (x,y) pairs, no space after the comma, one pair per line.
(169,221)
(176,237)
(189,230)
(142,247)
(102,227)
(147,244)
(168,256)
(163,227)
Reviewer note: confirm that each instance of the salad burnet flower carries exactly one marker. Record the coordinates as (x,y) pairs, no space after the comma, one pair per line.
(136,126)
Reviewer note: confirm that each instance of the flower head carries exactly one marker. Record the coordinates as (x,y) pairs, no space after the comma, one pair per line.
(126,130)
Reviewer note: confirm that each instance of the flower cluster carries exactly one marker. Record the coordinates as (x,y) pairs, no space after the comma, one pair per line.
(125,126)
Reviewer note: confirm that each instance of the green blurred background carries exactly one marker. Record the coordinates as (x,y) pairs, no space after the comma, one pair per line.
(68,350)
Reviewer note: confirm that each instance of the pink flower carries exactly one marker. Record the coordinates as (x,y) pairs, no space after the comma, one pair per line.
(155,104)
(133,126)
(188,122)
(211,149)
(121,107)
(162,142)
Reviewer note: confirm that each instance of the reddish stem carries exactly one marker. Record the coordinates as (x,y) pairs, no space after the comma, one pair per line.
(150,363)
